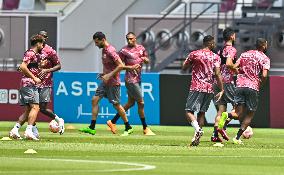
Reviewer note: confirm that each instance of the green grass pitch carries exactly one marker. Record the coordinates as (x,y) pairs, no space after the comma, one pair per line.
(167,153)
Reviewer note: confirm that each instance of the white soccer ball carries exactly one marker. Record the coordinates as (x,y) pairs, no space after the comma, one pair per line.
(248,133)
(53,126)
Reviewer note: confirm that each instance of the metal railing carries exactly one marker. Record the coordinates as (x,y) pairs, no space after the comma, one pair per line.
(187,24)
(9,64)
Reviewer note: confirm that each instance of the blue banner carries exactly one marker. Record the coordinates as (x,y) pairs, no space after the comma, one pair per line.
(73,93)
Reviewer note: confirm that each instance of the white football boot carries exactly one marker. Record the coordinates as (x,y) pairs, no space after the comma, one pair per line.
(35,132)
(14,134)
(30,135)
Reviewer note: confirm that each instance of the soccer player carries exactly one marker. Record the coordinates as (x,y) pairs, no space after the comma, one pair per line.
(49,63)
(132,54)
(110,86)
(253,67)
(228,55)
(204,64)
(29,96)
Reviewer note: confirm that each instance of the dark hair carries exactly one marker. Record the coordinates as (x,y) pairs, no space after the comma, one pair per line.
(99,35)
(43,33)
(36,39)
(227,33)
(260,42)
(130,33)
(207,40)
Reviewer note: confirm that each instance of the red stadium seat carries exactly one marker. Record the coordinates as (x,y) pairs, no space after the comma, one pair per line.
(10,4)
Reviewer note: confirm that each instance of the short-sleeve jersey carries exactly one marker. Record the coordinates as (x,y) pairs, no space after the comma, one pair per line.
(31,59)
(52,59)
(228,74)
(203,64)
(131,56)
(251,64)
(109,56)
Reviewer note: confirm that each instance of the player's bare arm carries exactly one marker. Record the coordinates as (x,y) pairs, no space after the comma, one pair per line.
(264,76)
(120,66)
(236,65)
(43,71)
(146,60)
(132,67)
(185,65)
(230,65)
(219,82)
(24,69)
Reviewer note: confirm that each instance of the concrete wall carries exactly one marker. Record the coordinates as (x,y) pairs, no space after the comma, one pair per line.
(77,51)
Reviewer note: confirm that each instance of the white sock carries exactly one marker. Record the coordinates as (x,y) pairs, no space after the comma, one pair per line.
(195,125)
(56,118)
(34,127)
(29,128)
(17,126)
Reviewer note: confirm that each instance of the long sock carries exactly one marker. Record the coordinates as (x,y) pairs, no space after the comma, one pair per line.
(115,118)
(56,119)
(143,121)
(29,128)
(239,134)
(230,115)
(93,124)
(215,132)
(127,126)
(195,125)
(226,124)
(17,126)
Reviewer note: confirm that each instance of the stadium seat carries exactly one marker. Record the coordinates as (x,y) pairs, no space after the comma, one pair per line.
(10,4)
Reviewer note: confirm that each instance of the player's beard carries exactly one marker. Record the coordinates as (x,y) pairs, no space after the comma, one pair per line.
(101,46)
(233,42)
(39,49)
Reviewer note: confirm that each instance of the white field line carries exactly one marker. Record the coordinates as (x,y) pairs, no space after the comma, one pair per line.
(139,167)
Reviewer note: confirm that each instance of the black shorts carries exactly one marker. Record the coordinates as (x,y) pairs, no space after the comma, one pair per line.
(112,93)
(134,90)
(247,97)
(228,96)
(198,101)
(44,94)
(28,95)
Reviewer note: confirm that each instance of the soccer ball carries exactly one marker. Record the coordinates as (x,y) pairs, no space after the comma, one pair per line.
(248,133)
(53,126)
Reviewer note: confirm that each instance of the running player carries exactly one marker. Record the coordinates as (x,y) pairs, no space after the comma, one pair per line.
(253,67)
(48,64)
(132,54)
(204,64)
(110,86)
(29,96)
(228,55)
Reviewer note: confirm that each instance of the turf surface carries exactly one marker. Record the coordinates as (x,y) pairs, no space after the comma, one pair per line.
(166,153)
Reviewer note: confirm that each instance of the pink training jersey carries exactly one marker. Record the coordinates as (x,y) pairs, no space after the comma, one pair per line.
(50,55)
(109,56)
(132,56)
(228,74)
(251,63)
(31,59)
(203,64)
